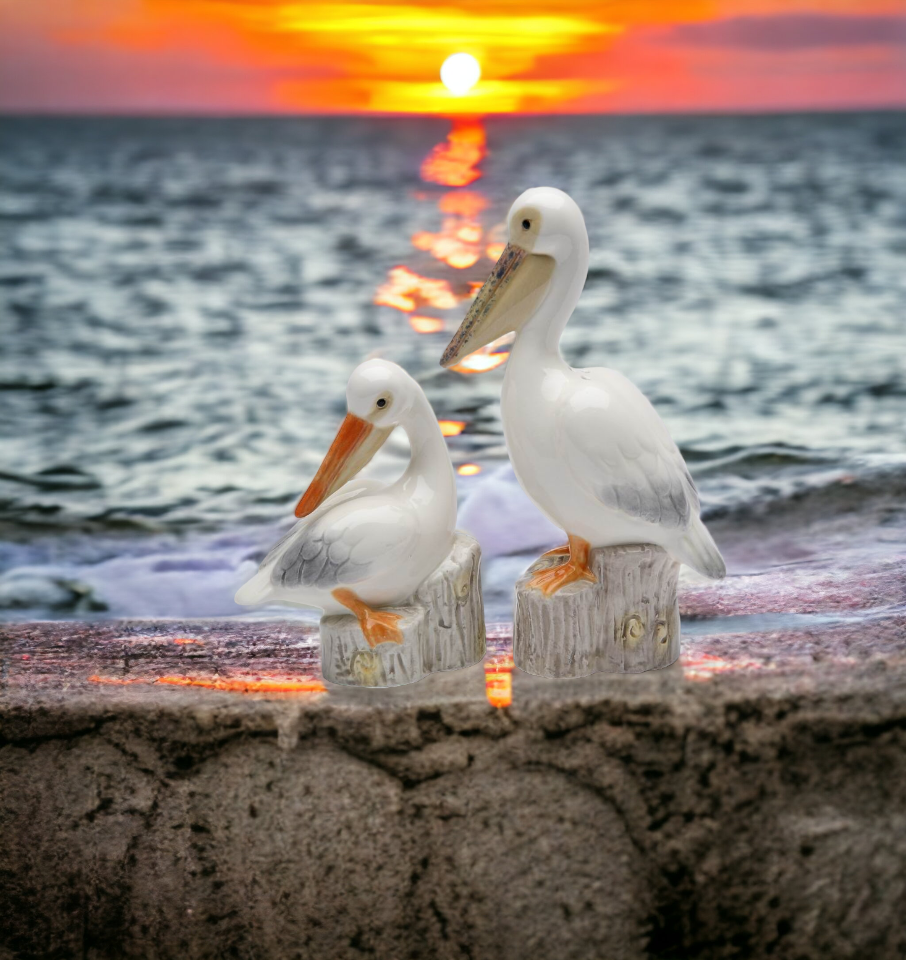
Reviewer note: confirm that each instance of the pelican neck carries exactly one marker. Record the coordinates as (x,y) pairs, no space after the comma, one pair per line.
(540,336)
(429,458)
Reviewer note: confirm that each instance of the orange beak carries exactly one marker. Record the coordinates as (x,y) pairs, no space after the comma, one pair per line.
(356,442)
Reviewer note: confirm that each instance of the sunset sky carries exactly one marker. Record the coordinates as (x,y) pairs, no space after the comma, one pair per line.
(280,56)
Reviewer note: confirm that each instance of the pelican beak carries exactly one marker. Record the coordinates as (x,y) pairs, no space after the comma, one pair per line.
(508,298)
(356,442)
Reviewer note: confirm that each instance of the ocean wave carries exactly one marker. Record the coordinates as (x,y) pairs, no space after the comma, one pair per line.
(843,523)
(183,301)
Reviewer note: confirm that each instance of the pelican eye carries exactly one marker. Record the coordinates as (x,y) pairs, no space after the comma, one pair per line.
(382,402)
(526,224)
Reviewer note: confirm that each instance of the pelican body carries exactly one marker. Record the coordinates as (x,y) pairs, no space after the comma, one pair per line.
(359,544)
(586,445)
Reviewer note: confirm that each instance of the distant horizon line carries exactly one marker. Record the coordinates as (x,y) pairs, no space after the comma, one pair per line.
(15,113)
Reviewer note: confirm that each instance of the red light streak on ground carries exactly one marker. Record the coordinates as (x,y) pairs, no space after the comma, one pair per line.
(118,681)
(454,163)
(233,685)
(498,680)
(238,685)
(451,428)
(706,665)
(185,641)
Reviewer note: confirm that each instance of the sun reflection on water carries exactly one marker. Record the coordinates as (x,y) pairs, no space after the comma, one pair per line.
(454,163)
(451,428)
(462,242)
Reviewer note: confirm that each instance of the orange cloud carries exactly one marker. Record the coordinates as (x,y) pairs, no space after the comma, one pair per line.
(394,50)
(384,56)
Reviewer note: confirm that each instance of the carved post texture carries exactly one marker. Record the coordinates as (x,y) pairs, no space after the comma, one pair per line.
(627,622)
(443,629)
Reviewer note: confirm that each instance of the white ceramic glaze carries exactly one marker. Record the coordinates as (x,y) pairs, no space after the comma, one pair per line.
(442,627)
(586,445)
(379,541)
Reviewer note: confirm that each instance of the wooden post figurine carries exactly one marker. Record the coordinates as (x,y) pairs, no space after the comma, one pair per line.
(398,584)
(595,457)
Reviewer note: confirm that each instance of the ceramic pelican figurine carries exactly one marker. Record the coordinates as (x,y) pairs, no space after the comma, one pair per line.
(361,545)
(586,445)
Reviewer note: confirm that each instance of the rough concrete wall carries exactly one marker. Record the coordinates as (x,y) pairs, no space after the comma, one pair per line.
(239,846)
(749,801)
(599,820)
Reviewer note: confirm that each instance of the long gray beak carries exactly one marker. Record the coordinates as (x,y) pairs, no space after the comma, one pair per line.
(478,328)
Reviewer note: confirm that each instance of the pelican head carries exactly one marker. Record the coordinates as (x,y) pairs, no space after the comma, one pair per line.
(546,229)
(379,396)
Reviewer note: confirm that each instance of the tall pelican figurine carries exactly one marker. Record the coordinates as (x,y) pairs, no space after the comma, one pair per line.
(586,445)
(360,544)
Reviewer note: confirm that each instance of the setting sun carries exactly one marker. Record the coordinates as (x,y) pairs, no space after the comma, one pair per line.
(383,56)
(460,72)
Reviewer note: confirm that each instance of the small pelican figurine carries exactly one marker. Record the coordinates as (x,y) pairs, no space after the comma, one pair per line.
(362,545)
(586,445)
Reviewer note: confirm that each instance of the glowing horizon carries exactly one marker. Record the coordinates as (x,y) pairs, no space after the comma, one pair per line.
(384,56)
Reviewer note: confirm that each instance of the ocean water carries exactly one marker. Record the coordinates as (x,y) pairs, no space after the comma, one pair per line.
(181,302)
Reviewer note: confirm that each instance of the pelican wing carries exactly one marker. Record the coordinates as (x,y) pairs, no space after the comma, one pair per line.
(345,545)
(618,448)
(351,490)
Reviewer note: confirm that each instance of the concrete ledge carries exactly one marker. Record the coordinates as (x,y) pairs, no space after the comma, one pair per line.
(188,790)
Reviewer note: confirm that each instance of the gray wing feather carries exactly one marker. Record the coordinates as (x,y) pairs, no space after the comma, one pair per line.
(318,562)
(622,450)
(303,556)
(648,490)
(342,545)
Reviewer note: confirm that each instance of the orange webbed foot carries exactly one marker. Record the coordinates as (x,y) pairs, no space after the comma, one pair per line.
(551,579)
(557,551)
(378,626)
